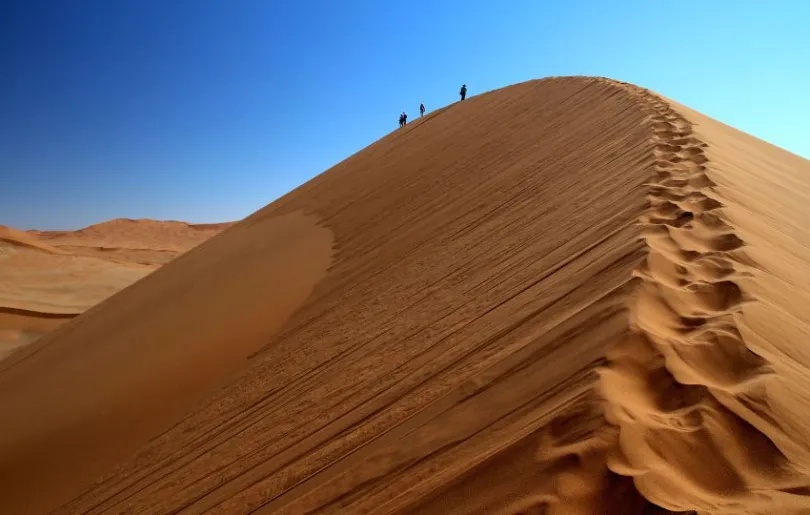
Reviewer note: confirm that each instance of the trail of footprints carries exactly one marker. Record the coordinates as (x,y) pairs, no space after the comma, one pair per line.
(683,339)
(690,270)
(688,294)
(685,351)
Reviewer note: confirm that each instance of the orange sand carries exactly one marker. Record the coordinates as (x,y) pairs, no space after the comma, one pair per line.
(47,278)
(549,298)
(129,234)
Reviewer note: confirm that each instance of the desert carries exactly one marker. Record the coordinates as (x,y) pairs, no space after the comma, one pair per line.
(571,295)
(50,277)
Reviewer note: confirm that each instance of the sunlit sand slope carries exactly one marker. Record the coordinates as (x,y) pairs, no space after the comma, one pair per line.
(47,278)
(541,300)
(125,233)
(78,400)
(712,392)
(483,259)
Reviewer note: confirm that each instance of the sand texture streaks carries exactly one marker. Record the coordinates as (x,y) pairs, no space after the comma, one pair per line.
(64,273)
(567,296)
(708,391)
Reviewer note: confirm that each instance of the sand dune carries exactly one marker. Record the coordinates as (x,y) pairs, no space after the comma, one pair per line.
(47,278)
(11,236)
(711,392)
(136,234)
(569,296)
(142,241)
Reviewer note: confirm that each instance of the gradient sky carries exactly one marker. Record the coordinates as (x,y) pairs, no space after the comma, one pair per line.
(205,111)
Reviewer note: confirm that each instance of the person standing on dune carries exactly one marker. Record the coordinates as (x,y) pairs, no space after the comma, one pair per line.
(463,91)
(421,110)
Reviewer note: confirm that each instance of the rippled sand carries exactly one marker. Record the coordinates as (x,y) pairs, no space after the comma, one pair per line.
(568,296)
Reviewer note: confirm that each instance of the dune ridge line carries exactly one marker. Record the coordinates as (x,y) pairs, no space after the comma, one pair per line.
(35,314)
(669,387)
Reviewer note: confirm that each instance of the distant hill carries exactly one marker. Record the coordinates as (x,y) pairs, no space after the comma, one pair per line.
(49,277)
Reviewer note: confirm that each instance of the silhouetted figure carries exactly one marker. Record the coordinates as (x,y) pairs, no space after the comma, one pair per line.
(463,91)
(421,110)
(402,119)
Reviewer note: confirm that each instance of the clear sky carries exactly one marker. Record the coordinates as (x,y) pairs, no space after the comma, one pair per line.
(206,111)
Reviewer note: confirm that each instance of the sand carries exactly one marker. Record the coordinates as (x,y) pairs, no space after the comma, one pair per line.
(128,234)
(565,296)
(711,393)
(47,278)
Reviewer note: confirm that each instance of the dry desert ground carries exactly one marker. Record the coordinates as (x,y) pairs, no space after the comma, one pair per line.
(567,296)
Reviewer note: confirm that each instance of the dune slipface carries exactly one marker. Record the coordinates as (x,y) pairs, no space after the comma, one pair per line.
(79,400)
(49,277)
(545,299)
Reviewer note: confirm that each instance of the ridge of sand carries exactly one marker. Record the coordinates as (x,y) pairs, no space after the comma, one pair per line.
(135,234)
(20,238)
(710,391)
(483,258)
(499,264)
(67,272)
(118,389)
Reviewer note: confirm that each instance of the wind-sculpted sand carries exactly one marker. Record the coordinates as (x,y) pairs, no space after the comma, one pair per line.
(124,234)
(82,398)
(569,296)
(47,278)
(711,392)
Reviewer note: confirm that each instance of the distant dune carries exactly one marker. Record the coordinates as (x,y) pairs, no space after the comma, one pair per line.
(11,236)
(49,277)
(144,234)
(568,296)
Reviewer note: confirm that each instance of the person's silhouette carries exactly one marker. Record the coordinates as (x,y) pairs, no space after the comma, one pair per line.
(463,91)
(421,109)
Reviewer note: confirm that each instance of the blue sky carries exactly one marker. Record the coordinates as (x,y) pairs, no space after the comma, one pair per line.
(208,110)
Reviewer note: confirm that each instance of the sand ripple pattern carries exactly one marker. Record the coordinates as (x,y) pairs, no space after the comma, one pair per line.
(684,387)
(484,255)
(548,299)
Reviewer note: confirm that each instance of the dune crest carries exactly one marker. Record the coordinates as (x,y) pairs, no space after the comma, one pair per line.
(710,393)
(12,236)
(141,234)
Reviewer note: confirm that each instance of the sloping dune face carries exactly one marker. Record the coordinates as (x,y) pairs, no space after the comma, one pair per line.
(542,299)
(124,233)
(147,242)
(43,283)
(47,278)
(483,261)
(79,400)
(711,391)
(11,236)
